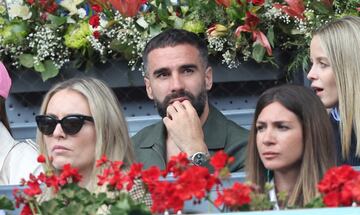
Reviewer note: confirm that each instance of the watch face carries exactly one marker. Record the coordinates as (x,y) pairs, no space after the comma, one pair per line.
(199,159)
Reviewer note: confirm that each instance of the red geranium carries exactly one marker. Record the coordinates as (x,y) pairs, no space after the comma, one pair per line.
(337,186)
(41,159)
(235,197)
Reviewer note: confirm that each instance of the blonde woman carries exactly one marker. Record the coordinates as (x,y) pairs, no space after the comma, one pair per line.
(335,77)
(290,145)
(80,120)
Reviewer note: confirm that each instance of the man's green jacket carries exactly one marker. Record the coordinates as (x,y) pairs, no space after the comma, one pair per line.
(220,134)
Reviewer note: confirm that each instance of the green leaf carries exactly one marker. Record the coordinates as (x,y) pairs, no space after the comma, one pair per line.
(258,52)
(5,203)
(271,36)
(320,7)
(56,20)
(47,207)
(27,60)
(50,70)
(315,203)
(39,67)
(155,30)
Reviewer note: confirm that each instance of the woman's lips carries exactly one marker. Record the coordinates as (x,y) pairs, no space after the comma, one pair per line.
(59,148)
(270,155)
(318,90)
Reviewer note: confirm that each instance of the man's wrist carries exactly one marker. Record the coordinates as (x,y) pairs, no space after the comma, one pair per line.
(199,158)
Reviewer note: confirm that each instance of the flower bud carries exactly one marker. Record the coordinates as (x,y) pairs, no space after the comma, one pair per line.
(194,26)
(217,30)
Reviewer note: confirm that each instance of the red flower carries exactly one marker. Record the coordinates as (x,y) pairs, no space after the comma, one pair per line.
(26,210)
(332,199)
(96,34)
(219,160)
(178,164)
(251,23)
(338,185)
(150,176)
(127,7)
(33,186)
(30,1)
(41,159)
(258,2)
(69,175)
(103,160)
(295,8)
(234,197)
(94,21)
(225,3)
(51,8)
(356,189)
(97,8)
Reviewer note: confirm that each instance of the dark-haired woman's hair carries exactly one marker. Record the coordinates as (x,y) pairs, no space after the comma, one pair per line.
(318,155)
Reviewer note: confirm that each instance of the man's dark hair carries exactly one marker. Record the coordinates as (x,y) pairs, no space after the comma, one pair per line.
(174,37)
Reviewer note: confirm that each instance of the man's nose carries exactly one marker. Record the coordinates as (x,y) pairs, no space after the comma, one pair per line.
(177,82)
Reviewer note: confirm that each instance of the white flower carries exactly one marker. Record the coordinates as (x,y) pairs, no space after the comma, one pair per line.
(17,10)
(81,12)
(70,5)
(103,22)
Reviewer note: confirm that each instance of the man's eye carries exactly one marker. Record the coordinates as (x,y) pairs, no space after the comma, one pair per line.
(188,71)
(162,75)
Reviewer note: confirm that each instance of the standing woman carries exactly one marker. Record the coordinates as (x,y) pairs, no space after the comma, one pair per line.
(335,77)
(290,144)
(80,120)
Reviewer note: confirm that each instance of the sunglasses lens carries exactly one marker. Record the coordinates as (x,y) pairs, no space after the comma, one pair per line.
(46,124)
(72,124)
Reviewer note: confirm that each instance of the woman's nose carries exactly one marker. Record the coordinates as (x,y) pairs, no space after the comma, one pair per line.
(312,75)
(58,131)
(268,137)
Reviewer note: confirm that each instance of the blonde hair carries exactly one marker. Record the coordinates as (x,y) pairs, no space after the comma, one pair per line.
(340,40)
(318,141)
(112,138)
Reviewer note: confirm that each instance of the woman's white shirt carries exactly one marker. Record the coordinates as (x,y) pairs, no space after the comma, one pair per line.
(20,161)
(273,197)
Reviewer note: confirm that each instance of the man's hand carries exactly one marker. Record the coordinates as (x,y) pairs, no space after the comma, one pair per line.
(184,127)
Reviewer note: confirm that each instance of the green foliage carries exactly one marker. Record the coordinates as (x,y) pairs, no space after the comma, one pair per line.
(5,203)
(86,38)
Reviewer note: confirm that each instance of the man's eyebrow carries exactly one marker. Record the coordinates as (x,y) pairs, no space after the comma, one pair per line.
(159,71)
(189,66)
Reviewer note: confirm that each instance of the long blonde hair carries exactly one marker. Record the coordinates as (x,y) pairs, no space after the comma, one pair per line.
(340,40)
(112,138)
(318,141)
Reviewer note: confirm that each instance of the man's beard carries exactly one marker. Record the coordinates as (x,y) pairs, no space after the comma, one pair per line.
(198,102)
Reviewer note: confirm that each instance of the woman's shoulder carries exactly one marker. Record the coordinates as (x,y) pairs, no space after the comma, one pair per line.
(20,162)
(25,146)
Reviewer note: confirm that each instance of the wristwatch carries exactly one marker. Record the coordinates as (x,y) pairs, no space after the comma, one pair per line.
(199,158)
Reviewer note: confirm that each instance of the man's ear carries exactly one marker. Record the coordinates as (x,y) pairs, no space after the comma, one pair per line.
(208,78)
(148,88)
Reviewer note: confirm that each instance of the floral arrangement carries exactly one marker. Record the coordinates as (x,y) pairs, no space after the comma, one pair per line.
(44,35)
(339,187)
